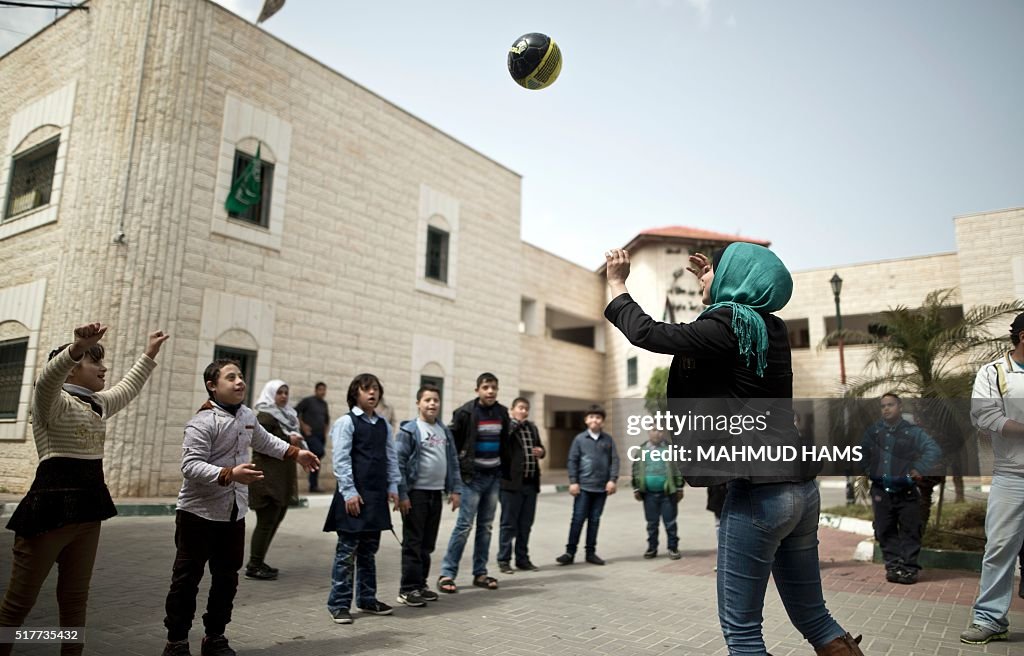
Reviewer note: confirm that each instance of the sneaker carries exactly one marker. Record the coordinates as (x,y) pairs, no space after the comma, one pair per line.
(259,573)
(412,598)
(527,566)
(505,567)
(341,616)
(651,553)
(982,635)
(565,559)
(594,559)
(892,574)
(426,594)
(272,570)
(216,646)
(376,608)
(179,648)
(674,554)
(907,577)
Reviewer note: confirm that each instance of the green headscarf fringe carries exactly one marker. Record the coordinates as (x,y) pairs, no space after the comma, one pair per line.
(750,280)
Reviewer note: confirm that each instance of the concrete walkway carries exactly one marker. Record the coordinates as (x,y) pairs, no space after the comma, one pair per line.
(630,606)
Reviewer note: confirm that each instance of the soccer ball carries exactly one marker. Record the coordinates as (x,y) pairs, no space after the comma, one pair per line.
(534,61)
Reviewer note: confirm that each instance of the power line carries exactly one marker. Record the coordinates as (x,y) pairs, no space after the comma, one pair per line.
(31,5)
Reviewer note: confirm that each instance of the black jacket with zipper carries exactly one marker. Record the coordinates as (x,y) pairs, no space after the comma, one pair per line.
(463,428)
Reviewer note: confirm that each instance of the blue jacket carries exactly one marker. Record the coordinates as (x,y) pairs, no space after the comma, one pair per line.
(407,443)
(592,463)
(889,455)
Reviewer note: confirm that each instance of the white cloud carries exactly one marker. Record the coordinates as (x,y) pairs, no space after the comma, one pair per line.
(731,21)
(703,8)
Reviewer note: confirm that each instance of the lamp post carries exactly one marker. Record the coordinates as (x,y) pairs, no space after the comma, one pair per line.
(837,287)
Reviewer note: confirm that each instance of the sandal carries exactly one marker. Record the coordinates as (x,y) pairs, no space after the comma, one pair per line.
(483,581)
(446,584)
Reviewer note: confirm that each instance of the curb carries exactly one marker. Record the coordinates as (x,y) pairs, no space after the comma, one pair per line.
(941,559)
(848,524)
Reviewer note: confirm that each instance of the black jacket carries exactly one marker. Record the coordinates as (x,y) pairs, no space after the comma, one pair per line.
(512,476)
(708,374)
(463,429)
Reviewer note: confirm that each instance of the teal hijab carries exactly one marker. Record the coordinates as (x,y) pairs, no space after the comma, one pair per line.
(751,280)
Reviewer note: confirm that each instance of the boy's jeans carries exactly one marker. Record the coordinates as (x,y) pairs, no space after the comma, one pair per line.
(659,507)
(1004,526)
(479,502)
(770,530)
(356,555)
(518,510)
(587,507)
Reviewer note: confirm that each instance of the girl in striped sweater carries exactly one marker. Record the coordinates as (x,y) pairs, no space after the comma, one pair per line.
(58,521)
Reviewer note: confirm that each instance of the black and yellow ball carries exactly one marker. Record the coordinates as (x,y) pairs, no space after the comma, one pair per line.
(534,61)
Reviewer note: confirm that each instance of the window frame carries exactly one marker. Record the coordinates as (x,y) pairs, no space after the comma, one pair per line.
(15,381)
(241,161)
(632,371)
(53,143)
(443,250)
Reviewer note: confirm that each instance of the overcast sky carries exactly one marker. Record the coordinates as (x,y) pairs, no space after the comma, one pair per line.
(843,131)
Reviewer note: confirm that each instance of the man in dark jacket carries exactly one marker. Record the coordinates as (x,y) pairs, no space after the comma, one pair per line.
(481,431)
(520,484)
(895,453)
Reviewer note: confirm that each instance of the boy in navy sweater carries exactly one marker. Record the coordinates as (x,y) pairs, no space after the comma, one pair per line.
(593,471)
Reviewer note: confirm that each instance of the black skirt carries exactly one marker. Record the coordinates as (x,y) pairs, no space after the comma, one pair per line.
(65,491)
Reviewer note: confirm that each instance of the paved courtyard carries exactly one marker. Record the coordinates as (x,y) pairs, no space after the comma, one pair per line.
(630,606)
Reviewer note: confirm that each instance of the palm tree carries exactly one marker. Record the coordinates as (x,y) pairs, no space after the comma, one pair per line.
(924,353)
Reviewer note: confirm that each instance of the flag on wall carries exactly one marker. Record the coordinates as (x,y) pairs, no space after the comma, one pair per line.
(246,190)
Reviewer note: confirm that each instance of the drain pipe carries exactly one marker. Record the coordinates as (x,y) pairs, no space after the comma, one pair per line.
(120,237)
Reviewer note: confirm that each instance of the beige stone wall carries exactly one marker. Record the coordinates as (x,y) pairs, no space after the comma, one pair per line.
(342,285)
(991,247)
(871,287)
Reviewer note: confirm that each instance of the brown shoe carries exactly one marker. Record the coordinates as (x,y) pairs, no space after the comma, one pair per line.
(845,645)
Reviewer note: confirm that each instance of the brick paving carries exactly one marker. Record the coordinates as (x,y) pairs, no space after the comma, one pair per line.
(631,606)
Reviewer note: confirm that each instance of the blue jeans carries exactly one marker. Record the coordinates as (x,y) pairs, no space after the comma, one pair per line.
(1004,527)
(479,503)
(355,556)
(587,507)
(661,507)
(770,530)
(518,510)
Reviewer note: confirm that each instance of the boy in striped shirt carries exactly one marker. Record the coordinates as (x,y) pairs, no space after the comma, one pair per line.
(481,431)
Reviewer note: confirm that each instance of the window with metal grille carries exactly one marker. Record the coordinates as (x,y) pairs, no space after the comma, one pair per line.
(246,364)
(12,368)
(258,214)
(31,179)
(631,372)
(437,254)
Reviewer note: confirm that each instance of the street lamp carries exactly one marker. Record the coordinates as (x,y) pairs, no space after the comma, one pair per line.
(837,288)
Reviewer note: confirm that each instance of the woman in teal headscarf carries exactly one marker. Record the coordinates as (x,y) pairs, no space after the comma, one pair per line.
(737,351)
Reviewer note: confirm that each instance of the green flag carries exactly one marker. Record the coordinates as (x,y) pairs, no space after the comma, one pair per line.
(246,191)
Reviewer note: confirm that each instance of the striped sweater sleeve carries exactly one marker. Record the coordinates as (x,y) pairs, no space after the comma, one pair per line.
(47,402)
(120,395)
